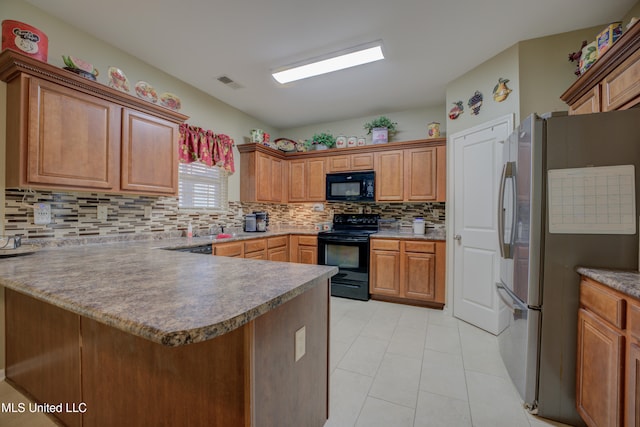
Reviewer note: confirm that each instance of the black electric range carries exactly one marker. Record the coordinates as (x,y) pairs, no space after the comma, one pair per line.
(347,247)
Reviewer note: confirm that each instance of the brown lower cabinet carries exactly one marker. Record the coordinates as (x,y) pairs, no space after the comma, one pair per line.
(409,271)
(608,356)
(304,249)
(271,248)
(246,377)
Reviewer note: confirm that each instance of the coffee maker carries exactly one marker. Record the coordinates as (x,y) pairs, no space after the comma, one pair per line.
(262,220)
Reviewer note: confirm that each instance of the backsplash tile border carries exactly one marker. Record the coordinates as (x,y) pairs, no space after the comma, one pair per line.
(74,215)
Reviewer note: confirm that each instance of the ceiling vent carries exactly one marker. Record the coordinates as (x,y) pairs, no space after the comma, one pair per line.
(227,81)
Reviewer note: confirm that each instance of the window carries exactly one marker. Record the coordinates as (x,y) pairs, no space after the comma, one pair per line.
(201,186)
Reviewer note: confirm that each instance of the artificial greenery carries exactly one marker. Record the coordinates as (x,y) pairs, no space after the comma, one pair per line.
(324,138)
(381,122)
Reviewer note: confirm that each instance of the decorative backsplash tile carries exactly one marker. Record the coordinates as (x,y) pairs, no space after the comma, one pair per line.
(75,214)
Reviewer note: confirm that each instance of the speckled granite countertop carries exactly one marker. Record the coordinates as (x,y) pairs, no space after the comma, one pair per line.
(172,298)
(625,281)
(430,234)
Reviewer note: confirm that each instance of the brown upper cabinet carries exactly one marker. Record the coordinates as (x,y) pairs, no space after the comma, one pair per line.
(612,82)
(263,176)
(68,133)
(410,171)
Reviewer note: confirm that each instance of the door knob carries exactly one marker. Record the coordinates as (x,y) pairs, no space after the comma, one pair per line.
(457,237)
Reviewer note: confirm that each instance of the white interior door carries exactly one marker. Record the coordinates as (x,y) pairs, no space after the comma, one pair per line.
(477,163)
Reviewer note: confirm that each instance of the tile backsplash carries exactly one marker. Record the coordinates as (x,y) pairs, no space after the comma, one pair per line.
(75,214)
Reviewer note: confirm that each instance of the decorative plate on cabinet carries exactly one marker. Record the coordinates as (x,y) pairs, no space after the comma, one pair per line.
(117,79)
(170,101)
(145,91)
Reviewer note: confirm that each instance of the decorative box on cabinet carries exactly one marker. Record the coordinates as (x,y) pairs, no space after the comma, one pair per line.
(612,82)
(69,133)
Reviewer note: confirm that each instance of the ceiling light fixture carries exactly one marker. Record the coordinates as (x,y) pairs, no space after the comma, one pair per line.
(334,62)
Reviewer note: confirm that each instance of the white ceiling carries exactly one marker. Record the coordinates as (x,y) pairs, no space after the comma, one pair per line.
(427,43)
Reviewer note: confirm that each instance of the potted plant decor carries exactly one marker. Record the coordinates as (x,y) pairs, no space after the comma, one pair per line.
(322,141)
(381,129)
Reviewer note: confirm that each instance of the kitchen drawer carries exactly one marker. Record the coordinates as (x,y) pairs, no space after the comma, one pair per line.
(255,245)
(232,249)
(307,241)
(385,245)
(277,242)
(633,320)
(606,304)
(423,247)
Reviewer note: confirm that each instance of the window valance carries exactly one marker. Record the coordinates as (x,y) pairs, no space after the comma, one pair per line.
(204,146)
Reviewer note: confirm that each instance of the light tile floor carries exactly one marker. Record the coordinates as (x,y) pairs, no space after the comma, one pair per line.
(398,365)
(394,365)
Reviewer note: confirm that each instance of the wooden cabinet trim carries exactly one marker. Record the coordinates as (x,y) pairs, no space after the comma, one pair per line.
(633,320)
(278,241)
(385,244)
(419,246)
(606,304)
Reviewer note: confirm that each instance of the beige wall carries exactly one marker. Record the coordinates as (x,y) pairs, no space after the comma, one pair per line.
(203,110)
(545,70)
(483,78)
(412,124)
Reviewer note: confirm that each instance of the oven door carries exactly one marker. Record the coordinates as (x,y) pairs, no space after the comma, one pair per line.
(351,255)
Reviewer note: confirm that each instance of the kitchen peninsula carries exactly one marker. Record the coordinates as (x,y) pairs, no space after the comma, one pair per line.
(132,334)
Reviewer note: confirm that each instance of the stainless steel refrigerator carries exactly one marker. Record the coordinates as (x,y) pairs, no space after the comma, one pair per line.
(538,279)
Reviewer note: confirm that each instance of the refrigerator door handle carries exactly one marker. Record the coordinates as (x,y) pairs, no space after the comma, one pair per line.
(515,304)
(505,248)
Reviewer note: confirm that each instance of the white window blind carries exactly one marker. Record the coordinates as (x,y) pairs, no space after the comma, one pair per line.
(201,186)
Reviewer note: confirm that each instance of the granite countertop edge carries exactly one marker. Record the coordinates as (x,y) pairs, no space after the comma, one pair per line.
(625,281)
(171,298)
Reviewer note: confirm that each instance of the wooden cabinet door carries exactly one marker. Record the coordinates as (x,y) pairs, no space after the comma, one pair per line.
(149,154)
(389,175)
(307,254)
(263,177)
(73,138)
(339,163)
(361,162)
(588,103)
(599,373)
(278,254)
(419,276)
(384,272)
(633,386)
(420,174)
(316,180)
(297,182)
(622,86)
(277,180)
(231,249)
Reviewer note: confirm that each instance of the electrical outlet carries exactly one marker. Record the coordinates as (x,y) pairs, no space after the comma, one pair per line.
(41,213)
(102,212)
(300,345)
(318,207)
(147,212)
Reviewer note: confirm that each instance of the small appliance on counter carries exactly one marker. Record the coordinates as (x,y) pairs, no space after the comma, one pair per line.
(250,223)
(262,220)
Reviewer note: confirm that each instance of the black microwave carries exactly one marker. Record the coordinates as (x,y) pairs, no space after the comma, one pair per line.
(351,187)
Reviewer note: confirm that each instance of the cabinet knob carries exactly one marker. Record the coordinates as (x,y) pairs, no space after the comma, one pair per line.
(457,237)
